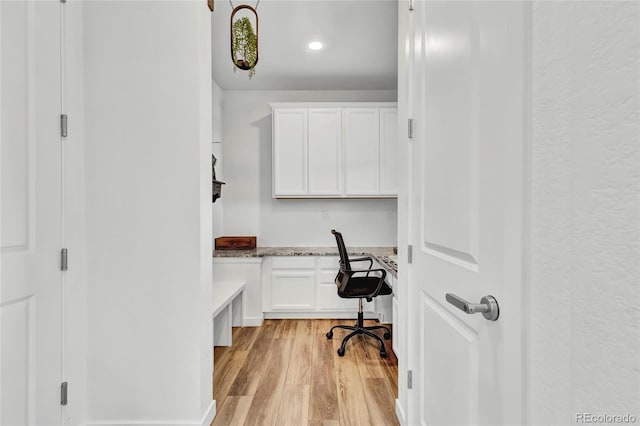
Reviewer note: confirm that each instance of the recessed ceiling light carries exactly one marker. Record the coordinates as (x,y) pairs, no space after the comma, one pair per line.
(315,45)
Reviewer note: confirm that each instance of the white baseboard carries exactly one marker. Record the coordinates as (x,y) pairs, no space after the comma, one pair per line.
(253,321)
(206,420)
(402,419)
(208,416)
(319,315)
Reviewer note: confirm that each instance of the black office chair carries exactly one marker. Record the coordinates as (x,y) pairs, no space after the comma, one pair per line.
(359,284)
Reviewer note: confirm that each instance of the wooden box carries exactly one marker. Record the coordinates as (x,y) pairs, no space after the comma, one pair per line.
(235,243)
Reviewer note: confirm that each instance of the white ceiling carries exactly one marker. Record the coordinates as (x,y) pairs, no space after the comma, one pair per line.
(360,38)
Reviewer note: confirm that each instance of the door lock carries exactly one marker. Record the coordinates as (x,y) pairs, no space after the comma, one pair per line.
(488,306)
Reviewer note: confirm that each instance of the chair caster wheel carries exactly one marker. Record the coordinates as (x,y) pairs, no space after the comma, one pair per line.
(387,336)
(383,354)
(329,335)
(341,351)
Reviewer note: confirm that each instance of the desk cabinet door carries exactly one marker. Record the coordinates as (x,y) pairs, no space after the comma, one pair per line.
(328,299)
(292,290)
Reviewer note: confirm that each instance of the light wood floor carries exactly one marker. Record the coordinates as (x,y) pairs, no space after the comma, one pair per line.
(287,373)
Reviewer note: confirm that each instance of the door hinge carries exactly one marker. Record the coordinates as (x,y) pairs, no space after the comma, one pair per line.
(409,253)
(63,125)
(410,128)
(64,259)
(63,393)
(409,379)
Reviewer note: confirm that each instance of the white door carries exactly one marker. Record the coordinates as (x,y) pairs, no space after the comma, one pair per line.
(467,209)
(30,286)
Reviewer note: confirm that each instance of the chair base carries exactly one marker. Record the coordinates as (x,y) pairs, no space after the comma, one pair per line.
(359,328)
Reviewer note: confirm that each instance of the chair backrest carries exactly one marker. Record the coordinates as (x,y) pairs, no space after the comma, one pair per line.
(342,250)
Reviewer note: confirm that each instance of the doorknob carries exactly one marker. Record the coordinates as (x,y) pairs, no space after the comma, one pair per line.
(488,306)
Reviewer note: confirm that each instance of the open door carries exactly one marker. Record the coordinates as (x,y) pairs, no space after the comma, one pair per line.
(466,224)
(31,199)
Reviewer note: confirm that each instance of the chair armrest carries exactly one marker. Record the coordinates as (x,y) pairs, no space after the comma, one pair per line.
(363,259)
(358,259)
(362,271)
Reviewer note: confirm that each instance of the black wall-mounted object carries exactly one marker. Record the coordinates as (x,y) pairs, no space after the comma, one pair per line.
(217,189)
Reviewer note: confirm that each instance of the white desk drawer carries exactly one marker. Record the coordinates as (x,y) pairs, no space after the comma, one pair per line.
(293,262)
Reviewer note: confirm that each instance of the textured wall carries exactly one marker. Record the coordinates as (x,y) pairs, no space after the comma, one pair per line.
(584,343)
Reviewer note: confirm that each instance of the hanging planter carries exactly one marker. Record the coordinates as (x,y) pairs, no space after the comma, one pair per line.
(244,40)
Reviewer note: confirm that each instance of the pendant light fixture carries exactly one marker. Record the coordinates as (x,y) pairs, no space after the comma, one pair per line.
(244,40)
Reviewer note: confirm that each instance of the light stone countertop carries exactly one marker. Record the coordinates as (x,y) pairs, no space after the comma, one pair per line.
(380,254)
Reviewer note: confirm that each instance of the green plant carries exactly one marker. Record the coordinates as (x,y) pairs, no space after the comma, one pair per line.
(244,46)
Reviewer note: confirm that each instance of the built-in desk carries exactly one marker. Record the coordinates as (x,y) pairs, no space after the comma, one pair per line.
(298,282)
(382,255)
(227,309)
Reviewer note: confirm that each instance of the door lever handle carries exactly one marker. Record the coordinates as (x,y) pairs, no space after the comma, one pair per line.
(488,306)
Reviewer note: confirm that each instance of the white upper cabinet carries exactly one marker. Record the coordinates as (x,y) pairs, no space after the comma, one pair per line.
(290,152)
(334,150)
(361,134)
(325,151)
(388,151)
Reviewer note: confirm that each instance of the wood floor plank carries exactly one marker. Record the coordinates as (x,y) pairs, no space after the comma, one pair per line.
(380,402)
(323,325)
(351,397)
(294,406)
(301,355)
(333,391)
(221,355)
(323,403)
(256,364)
(225,375)
(392,377)
(233,412)
(323,423)
(286,328)
(244,337)
(370,363)
(266,401)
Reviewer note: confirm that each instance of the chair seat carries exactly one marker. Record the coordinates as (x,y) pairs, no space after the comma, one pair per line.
(363,286)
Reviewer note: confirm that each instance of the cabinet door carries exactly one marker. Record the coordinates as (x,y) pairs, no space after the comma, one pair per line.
(328,299)
(327,296)
(388,151)
(289,152)
(324,153)
(361,139)
(292,290)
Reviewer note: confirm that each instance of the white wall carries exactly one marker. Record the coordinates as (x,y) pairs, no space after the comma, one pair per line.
(249,208)
(217,95)
(218,206)
(147,98)
(584,345)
